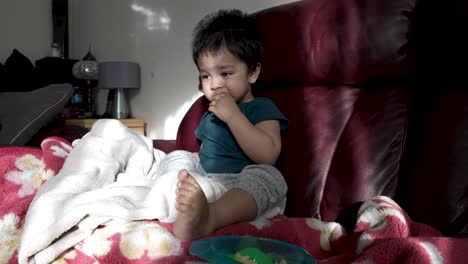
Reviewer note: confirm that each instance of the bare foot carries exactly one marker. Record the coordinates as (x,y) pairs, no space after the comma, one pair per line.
(193,218)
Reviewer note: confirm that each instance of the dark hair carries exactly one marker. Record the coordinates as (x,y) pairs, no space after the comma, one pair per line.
(230,29)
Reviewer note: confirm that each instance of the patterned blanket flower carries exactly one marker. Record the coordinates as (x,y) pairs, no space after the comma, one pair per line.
(9,236)
(329,231)
(61,151)
(136,239)
(68,255)
(31,174)
(150,237)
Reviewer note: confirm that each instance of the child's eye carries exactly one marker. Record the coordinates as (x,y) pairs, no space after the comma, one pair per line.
(225,74)
(204,76)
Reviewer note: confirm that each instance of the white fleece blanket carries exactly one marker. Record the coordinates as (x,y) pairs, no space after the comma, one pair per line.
(111,176)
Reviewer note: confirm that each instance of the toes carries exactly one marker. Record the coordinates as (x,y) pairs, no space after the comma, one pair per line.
(182,208)
(189,195)
(184,197)
(184,176)
(187,187)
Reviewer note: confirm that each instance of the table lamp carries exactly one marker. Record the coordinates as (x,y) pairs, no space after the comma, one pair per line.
(119,75)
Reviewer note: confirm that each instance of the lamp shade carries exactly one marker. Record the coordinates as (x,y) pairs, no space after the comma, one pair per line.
(119,74)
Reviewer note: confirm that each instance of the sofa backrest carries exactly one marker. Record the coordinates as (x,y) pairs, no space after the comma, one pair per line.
(336,42)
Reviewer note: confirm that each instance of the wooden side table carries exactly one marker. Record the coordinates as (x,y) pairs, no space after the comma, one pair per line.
(137,125)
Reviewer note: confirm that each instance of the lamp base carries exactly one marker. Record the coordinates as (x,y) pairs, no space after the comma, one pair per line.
(119,104)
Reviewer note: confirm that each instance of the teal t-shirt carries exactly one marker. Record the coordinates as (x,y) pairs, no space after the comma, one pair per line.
(220,152)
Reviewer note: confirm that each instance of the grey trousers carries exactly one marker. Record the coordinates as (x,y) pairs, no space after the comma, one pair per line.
(263,182)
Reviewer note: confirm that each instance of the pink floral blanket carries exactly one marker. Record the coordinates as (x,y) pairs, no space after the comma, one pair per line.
(383,232)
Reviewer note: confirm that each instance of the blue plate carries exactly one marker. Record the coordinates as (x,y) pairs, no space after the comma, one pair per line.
(221,249)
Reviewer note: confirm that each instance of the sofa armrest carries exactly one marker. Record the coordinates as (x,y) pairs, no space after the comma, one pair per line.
(165,145)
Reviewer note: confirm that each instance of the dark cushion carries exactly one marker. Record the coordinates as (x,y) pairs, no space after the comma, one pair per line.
(23,114)
(21,73)
(4,82)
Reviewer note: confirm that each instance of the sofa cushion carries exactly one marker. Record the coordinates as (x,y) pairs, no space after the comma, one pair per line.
(21,73)
(23,114)
(344,145)
(326,42)
(370,149)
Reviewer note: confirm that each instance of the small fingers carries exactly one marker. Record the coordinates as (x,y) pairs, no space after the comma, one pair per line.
(211,106)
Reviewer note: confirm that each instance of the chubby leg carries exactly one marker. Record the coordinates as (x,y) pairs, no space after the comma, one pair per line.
(196,217)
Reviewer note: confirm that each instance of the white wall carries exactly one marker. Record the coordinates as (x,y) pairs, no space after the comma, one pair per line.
(25,25)
(157,35)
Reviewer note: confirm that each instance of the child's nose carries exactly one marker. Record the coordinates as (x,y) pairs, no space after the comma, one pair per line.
(216,83)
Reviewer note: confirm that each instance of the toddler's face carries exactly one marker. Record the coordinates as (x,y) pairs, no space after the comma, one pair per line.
(224,73)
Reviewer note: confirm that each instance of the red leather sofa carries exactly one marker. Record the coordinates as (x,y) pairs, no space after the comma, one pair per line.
(373,107)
